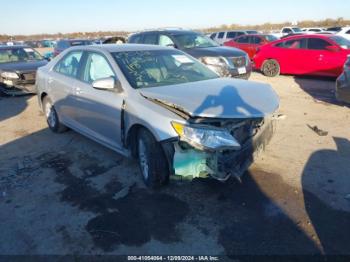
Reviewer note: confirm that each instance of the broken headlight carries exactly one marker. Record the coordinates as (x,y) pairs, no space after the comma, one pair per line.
(205,137)
(9,75)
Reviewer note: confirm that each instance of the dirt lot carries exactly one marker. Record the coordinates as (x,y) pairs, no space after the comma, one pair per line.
(64,194)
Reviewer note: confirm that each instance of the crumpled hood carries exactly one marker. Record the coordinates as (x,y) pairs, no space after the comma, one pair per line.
(215,51)
(22,66)
(218,98)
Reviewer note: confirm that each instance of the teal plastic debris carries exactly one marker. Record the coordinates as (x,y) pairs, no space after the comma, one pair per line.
(190,163)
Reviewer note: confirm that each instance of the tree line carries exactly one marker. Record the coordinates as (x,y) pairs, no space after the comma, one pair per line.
(262,27)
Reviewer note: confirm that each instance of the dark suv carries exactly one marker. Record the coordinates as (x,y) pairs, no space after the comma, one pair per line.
(226,61)
(66,43)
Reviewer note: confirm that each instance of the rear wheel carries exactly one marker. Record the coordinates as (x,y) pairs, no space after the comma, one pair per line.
(271,68)
(52,117)
(152,161)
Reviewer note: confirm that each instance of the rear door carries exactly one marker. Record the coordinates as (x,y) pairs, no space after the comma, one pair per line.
(98,111)
(243,43)
(291,55)
(62,83)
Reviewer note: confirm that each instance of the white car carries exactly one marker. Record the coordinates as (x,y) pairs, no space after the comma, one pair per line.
(345,32)
(224,36)
(313,30)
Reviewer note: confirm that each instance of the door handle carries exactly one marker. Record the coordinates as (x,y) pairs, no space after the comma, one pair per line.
(78,91)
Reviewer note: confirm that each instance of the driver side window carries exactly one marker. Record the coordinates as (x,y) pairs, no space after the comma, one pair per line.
(96,68)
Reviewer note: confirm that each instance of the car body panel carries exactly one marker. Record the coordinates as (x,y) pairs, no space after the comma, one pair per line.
(302,61)
(110,116)
(219,98)
(249,48)
(26,71)
(215,51)
(342,90)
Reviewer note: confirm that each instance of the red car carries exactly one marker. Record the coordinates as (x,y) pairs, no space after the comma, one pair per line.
(250,43)
(322,55)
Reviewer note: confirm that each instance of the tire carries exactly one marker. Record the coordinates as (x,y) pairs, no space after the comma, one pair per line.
(52,118)
(152,161)
(271,68)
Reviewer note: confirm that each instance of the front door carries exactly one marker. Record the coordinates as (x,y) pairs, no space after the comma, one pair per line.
(98,112)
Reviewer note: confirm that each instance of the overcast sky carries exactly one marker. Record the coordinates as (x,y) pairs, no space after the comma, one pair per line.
(49,16)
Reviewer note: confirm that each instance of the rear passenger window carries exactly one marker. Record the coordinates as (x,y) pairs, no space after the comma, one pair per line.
(69,65)
(231,35)
(348,32)
(256,40)
(293,44)
(243,40)
(221,35)
(212,36)
(317,44)
(97,68)
(150,39)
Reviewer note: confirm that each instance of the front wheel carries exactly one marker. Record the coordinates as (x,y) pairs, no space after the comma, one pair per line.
(152,161)
(271,68)
(51,117)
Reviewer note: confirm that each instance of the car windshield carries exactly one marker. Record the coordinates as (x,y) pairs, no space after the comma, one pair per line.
(296,30)
(12,55)
(192,40)
(270,38)
(160,68)
(341,41)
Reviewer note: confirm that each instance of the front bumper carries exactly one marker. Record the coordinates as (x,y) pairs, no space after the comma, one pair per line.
(189,163)
(243,72)
(25,84)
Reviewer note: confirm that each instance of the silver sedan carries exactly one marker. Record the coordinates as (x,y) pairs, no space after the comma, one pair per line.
(159,105)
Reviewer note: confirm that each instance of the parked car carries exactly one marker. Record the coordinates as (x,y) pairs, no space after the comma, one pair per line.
(225,61)
(224,36)
(322,55)
(312,30)
(334,29)
(66,43)
(343,84)
(18,65)
(115,40)
(287,31)
(250,43)
(159,105)
(344,32)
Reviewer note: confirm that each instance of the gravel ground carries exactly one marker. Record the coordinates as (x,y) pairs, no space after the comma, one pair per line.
(64,194)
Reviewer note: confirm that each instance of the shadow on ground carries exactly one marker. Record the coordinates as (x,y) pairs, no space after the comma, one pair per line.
(320,88)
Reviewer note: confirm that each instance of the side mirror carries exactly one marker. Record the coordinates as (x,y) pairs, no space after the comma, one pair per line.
(333,48)
(108,83)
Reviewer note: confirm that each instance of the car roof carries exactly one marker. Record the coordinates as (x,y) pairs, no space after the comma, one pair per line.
(2,47)
(111,48)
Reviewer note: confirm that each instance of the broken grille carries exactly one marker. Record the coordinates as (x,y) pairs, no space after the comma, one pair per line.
(28,76)
(246,129)
(238,61)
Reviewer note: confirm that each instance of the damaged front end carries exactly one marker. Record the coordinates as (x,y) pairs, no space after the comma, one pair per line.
(18,82)
(190,160)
